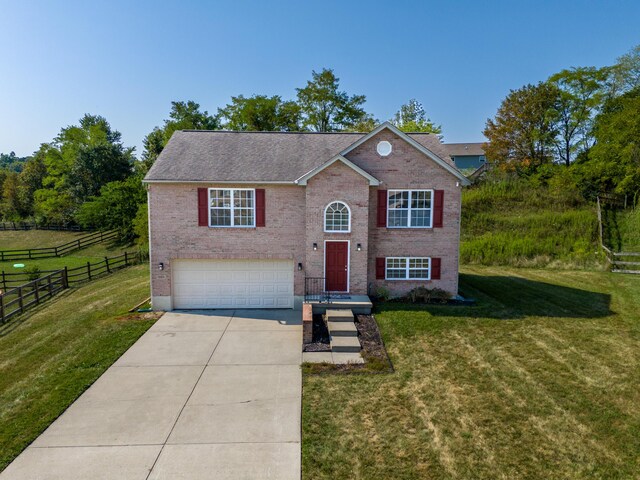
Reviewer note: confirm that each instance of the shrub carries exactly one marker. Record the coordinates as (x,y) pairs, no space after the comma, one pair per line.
(33,273)
(383,294)
(426,295)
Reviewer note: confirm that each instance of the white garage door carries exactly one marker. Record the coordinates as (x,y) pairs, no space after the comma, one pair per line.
(232,283)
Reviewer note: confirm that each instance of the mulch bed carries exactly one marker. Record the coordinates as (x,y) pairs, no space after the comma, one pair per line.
(320,336)
(373,349)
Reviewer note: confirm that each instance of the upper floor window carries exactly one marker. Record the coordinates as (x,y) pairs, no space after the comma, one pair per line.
(337,218)
(410,209)
(232,207)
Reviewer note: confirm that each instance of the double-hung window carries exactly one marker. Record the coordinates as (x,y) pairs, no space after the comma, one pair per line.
(232,207)
(408,268)
(410,209)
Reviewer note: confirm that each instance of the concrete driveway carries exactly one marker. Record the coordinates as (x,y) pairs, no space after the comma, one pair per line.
(212,394)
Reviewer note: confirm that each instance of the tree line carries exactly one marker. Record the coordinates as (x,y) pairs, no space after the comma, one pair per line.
(87,175)
(579,129)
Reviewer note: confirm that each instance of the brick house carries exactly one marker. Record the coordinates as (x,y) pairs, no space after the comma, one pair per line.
(258,219)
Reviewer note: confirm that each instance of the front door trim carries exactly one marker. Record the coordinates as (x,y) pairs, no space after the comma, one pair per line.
(348,242)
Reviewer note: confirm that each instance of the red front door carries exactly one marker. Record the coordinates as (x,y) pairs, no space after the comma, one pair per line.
(336,266)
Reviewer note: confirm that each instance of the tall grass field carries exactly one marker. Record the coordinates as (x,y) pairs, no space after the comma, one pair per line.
(515,223)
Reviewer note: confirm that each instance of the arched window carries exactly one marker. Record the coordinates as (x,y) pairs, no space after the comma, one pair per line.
(337,218)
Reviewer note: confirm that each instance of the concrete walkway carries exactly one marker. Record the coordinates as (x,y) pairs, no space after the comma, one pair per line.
(200,395)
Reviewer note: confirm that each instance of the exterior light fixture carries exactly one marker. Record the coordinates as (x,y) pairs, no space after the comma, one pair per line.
(161,266)
(359,247)
(299,266)
(315,247)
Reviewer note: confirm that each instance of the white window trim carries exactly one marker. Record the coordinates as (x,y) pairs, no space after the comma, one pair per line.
(209,208)
(407,268)
(324,218)
(409,209)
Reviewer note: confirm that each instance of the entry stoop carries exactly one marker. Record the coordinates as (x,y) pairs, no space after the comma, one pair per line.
(342,331)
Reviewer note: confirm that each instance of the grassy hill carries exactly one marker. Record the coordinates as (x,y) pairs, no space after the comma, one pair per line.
(48,358)
(513,222)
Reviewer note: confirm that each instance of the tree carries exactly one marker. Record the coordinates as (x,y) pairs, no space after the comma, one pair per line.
(11,161)
(261,113)
(116,207)
(11,206)
(327,109)
(96,166)
(412,118)
(522,134)
(626,72)
(183,116)
(31,179)
(580,94)
(613,163)
(80,160)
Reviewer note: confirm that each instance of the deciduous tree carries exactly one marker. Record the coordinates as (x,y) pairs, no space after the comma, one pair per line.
(522,134)
(261,113)
(325,108)
(412,118)
(580,94)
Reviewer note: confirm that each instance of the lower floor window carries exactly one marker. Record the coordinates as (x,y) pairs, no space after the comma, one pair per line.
(408,268)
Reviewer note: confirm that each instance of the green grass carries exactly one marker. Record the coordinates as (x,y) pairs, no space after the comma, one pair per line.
(49,357)
(38,238)
(515,223)
(15,240)
(630,230)
(539,380)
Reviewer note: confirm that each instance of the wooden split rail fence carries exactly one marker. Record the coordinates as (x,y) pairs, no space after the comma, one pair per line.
(16,300)
(40,226)
(619,262)
(59,250)
(623,262)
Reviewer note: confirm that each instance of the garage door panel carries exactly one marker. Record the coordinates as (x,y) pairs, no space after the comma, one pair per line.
(232,283)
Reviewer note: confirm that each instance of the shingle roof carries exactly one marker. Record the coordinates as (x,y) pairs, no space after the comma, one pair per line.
(461,149)
(223,156)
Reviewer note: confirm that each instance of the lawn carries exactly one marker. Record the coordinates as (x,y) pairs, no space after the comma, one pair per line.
(539,380)
(10,240)
(19,239)
(49,357)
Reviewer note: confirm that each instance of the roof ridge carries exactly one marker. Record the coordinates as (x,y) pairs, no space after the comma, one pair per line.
(270,131)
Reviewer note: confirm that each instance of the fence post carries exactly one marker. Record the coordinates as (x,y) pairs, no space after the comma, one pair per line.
(65,278)
(89,270)
(106,261)
(20,299)
(50,286)
(2,308)
(36,292)
(126,260)
(4,281)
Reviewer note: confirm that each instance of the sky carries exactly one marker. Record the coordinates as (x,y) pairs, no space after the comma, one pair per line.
(127,60)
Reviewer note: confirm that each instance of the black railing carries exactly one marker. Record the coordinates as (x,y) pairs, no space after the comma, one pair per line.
(314,290)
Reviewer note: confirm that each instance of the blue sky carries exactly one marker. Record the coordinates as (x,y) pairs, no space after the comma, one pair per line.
(128,60)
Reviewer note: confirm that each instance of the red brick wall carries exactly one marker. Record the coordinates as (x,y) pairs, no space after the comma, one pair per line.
(407,168)
(175,232)
(338,183)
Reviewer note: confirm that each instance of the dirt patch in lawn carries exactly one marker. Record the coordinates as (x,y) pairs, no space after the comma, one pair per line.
(140,316)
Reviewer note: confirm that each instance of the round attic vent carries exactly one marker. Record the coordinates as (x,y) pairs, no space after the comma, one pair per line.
(384,148)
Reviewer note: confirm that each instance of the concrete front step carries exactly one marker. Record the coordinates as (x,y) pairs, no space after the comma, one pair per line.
(345,344)
(342,329)
(334,315)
